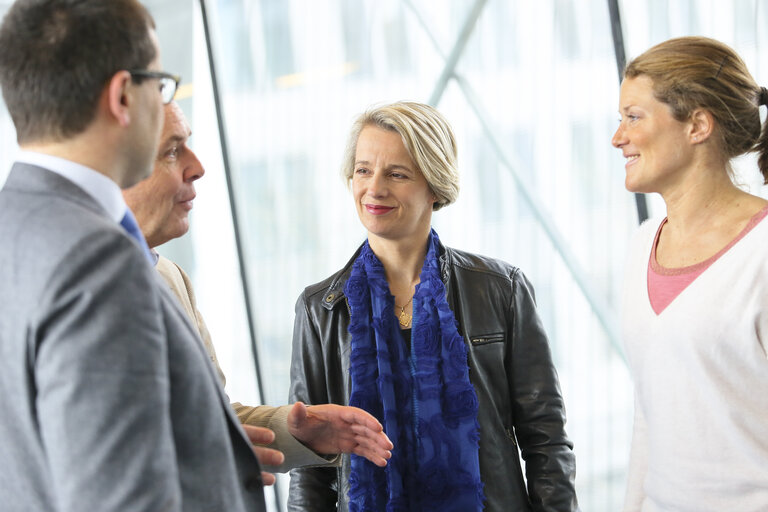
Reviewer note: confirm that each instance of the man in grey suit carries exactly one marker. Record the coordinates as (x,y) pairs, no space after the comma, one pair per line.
(161,204)
(108,401)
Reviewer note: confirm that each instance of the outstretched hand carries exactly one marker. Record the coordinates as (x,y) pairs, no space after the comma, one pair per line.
(267,456)
(330,429)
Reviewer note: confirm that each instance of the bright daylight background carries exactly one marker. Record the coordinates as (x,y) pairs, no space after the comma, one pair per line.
(533,99)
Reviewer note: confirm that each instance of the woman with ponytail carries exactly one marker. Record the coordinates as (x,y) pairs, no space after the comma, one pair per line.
(695,305)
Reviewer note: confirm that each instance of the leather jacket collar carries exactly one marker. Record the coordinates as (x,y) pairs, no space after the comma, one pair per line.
(335,291)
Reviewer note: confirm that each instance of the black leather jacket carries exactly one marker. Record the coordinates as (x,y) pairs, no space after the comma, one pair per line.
(510,368)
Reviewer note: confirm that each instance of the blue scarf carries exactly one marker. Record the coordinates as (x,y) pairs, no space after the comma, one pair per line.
(423,398)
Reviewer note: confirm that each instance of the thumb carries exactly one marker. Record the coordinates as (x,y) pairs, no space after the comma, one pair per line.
(297,415)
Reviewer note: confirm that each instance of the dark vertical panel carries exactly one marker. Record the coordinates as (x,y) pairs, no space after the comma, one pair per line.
(234,214)
(621,63)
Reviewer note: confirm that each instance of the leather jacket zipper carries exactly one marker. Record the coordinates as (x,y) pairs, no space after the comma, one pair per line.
(488,338)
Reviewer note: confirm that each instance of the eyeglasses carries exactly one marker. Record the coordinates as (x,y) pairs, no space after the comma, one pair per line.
(168,82)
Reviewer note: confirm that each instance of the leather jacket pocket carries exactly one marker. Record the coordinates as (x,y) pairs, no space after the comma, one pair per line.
(486,339)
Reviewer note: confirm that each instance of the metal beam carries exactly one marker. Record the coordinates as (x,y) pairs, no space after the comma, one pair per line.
(458,48)
(234,212)
(619,50)
(601,310)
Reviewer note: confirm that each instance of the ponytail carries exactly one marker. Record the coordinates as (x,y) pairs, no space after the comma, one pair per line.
(762,144)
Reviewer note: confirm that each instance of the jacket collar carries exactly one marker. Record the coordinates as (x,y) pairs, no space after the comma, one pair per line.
(33,178)
(335,291)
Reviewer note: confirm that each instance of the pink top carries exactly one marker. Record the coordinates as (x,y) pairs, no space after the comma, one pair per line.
(664,284)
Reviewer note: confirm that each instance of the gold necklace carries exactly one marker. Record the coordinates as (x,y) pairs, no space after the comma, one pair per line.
(404,319)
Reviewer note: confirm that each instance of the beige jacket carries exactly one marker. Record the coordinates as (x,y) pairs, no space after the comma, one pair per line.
(273,418)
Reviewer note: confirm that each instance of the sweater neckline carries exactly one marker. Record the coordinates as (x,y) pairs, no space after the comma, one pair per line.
(702,265)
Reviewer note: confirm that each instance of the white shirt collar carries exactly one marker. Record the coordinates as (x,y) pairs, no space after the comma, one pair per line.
(102,189)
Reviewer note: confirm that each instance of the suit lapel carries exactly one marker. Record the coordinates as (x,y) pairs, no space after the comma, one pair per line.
(191,331)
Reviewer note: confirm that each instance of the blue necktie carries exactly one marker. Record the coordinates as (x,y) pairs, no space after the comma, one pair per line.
(130,225)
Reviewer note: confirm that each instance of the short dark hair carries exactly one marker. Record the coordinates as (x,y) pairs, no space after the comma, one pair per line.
(57,56)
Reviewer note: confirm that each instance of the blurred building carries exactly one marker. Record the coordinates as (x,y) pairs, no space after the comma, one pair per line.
(531,89)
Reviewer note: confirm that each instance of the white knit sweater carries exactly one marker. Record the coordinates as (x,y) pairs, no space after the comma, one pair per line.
(700,369)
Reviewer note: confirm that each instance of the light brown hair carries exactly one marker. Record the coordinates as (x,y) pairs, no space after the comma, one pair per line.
(698,72)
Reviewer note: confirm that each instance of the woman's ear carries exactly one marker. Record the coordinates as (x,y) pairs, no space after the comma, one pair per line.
(702,124)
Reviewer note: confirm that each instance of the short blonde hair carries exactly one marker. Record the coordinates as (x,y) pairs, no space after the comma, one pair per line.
(427,137)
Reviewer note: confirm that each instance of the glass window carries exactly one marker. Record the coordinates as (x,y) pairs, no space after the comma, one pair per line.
(533,100)
(534,112)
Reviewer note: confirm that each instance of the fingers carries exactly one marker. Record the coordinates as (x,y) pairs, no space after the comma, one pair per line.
(331,428)
(267,478)
(373,452)
(364,435)
(373,446)
(259,435)
(360,417)
(373,457)
(268,456)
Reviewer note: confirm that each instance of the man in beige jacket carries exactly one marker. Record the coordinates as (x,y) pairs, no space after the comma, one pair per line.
(305,435)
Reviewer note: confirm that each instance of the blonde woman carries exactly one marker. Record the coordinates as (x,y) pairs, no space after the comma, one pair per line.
(444,347)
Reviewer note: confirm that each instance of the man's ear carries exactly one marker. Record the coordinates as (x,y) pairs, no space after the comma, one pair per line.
(702,124)
(119,97)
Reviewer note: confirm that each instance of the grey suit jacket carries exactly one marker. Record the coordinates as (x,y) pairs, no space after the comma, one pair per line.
(102,378)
